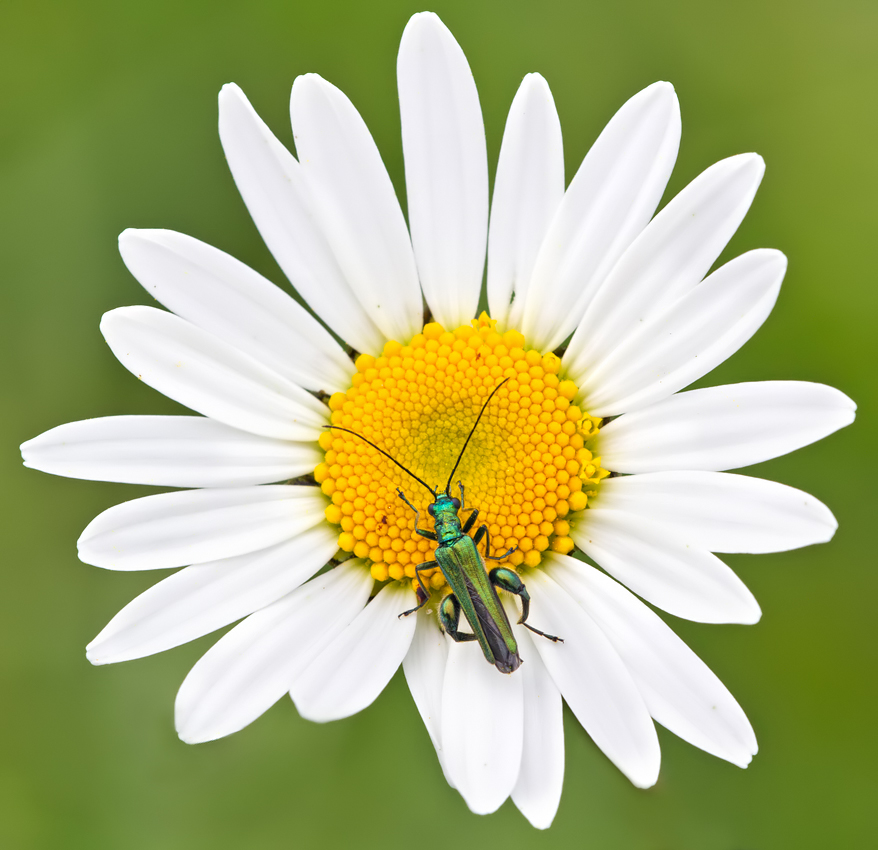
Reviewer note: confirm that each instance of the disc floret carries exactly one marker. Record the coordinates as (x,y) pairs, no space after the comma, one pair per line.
(528,468)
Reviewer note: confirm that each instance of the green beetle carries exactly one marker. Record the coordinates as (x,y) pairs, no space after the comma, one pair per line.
(473,588)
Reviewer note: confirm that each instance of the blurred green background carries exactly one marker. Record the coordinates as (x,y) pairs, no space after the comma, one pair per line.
(108,120)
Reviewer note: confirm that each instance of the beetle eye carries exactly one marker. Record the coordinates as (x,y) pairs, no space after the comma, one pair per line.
(430,510)
(456,503)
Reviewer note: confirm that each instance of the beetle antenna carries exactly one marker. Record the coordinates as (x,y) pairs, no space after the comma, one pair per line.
(484,406)
(407,471)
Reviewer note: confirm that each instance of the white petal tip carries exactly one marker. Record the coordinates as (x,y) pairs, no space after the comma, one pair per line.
(535,80)
(100,653)
(848,404)
(645,780)
(483,807)
(425,19)
(741,756)
(662,88)
(307,88)
(309,79)
(749,616)
(318,715)
(542,818)
(230,90)
(825,524)
(425,30)
(750,161)
(189,735)
(738,609)
(87,554)
(186,738)
(771,257)
(132,241)
(741,612)
(111,318)
(93,656)
(661,94)
(145,234)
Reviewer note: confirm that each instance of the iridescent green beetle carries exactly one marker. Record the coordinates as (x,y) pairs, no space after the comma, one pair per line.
(473,588)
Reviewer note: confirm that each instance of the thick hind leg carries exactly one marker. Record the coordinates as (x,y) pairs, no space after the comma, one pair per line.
(449,617)
(509,581)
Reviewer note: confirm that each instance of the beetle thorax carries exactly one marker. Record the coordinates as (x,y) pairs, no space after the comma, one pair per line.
(445,519)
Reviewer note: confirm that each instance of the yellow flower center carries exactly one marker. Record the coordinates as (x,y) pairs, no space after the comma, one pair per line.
(527,469)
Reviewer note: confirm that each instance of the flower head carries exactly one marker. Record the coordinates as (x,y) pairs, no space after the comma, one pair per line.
(600,312)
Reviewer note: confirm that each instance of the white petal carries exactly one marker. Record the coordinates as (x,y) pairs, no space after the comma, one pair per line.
(538,790)
(196,526)
(353,668)
(354,199)
(200,599)
(167,451)
(669,258)
(594,681)
(720,512)
(249,669)
(687,339)
(528,188)
(608,203)
(683,580)
(271,184)
(680,691)
(725,427)
(221,295)
(482,728)
(446,168)
(424,668)
(207,375)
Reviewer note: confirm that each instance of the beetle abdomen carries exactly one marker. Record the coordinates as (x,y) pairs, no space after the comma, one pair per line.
(505,660)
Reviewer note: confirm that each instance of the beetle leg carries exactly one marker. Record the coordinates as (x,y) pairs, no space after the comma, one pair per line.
(470,520)
(423,532)
(449,617)
(423,593)
(483,532)
(510,582)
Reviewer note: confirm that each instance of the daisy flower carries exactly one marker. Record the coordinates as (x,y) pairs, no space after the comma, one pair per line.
(600,312)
